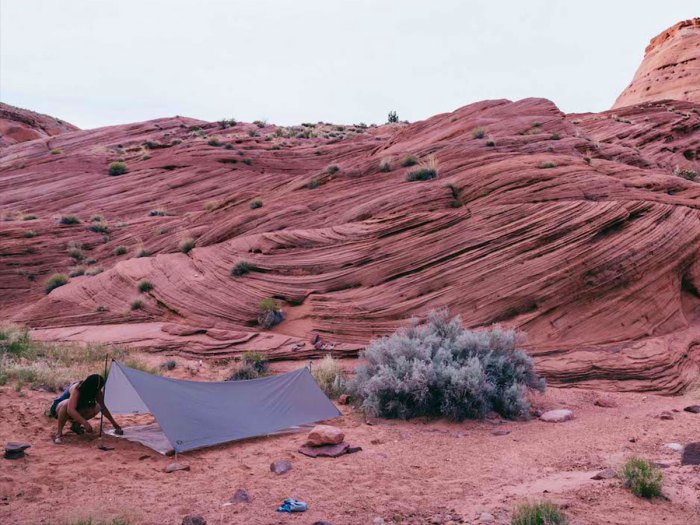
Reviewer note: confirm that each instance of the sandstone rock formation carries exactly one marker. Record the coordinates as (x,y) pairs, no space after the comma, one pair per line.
(20,125)
(670,69)
(582,230)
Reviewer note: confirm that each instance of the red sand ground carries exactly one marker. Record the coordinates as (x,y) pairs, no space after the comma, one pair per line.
(411,472)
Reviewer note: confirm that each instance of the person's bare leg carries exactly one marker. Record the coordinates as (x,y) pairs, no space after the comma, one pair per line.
(62,417)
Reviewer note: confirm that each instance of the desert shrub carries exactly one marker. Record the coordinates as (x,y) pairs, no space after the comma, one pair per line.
(555,136)
(251,366)
(642,478)
(440,368)
(76,254)
(385,166)
(55,281)
(96,218)
(170,364)
(536,124)
(270,313)
(330,376)
(136,304)
(490,143)
(29,234)
(28,217)
(91,272)
(176,142)
(253,133)
(69,219)
(425,170)
(547,165)
(242,268)
(392,118)
(313,184)
(227,123)
(120,250)
(186,245)
(76,271)
(141,252)
(145,157)
(99,227)
(540,513)
(158,212)
(247,162)
(214,142)
(332,170)
(255,204)
(56,151)
(14,340)
(409,160)
(686,173)
(260,123)
(145,286)
(117,168)
(478,133)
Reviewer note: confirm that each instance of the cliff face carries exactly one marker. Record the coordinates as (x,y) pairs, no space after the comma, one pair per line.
(20,125)
(581,230)
(670,69)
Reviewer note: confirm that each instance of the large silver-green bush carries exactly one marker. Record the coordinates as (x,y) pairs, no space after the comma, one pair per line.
(438,368)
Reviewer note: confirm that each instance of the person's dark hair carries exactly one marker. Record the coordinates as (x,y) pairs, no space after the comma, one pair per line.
(90,386)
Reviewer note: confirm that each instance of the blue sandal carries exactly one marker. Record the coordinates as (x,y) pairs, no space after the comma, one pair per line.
(292,505)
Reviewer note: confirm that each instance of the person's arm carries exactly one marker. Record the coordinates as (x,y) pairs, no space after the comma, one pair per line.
(106,412)
(73,410)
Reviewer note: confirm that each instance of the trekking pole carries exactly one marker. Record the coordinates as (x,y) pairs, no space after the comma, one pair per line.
(101,446)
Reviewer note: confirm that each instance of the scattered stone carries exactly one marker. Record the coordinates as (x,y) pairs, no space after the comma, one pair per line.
(322,523)
(378,521)
(174,467)
(377,442)
(661,465)
(691,454)
(486,517)
(193,519)
(240,496)
(666,415)
(15,450)
(608,473)
(352,450)
(145,456)
(280,466)
(325,435)
(674,446)
(344,399)
(500,432)
(693,409)
(557,416)
(326,451)
(605,402)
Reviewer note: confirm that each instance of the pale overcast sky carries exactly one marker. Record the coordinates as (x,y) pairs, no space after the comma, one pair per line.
(101,62)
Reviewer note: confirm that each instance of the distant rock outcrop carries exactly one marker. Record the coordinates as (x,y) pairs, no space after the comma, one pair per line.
(21,125)
(670,69)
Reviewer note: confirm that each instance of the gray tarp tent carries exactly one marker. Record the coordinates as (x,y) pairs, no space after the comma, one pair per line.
(195,414)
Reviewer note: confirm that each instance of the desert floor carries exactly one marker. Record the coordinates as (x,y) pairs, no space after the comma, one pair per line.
(408,471)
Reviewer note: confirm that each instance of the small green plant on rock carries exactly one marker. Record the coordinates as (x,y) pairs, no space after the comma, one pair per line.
(409,160)
(69,220)
(547,165)
(56,280)
(136,304)
(426,170)
(478,133)
(255,204)
(120,250)
(242,268)
(270,313)
(117,168)
(252,365)
(145,286)
(186,245)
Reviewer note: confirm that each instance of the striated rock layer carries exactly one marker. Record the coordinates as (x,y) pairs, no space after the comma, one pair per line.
(581,230)
(670,69)
(20,125)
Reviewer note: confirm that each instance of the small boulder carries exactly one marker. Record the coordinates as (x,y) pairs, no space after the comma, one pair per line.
(666,415)
(486,517)
(280,466)
(322,522)
(174,467)
(325,435)
(500,432)
(677,447)
(557,416)
(327,451)
(193,519)
(691,454)
(693,409)
(608,473)
(240,496)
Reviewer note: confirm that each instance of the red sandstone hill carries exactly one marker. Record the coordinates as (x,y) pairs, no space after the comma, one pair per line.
(582,230)
(670,69)
(20,125)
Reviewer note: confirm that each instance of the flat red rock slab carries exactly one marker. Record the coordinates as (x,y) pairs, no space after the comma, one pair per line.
(174,467)
(326,451)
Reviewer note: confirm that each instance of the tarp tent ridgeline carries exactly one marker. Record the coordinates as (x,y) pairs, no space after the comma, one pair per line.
(195,414)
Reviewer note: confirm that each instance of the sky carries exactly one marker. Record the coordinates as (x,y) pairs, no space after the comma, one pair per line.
(102,62)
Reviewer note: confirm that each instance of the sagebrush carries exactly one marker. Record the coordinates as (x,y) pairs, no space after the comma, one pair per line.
(440,368)
(540,513)
(642,478)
